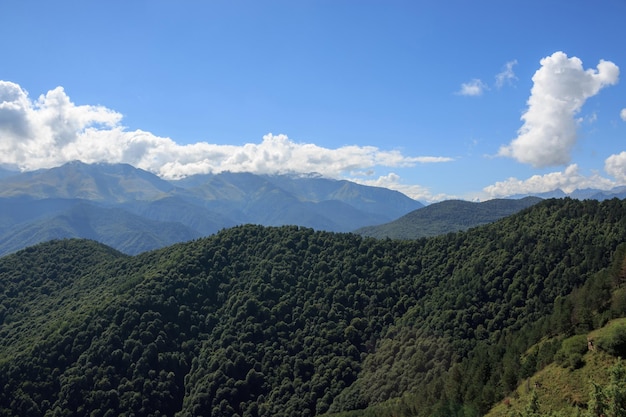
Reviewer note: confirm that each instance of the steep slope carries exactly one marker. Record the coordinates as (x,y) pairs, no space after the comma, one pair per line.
(381,202)
(291,322)
(108,183)
(576,363)
(194,215)
(42,288)
(153,212)
(447,216)
(560,389)
(306,201)
(58,219)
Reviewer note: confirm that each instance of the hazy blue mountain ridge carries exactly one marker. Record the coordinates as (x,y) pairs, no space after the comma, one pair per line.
(120,204)
(153,212)
(74,218)
(579,194)
(106,183)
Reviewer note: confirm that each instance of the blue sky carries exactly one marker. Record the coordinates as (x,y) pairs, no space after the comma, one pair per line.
(438,99)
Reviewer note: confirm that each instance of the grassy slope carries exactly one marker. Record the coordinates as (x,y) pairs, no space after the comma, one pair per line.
(561,389)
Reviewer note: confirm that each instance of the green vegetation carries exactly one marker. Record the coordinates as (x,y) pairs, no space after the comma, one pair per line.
(570,355)
(613,338)
(447,217)
(258,321)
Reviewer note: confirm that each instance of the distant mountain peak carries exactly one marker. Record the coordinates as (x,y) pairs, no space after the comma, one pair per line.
(96,182)
(200,204)
(579,194)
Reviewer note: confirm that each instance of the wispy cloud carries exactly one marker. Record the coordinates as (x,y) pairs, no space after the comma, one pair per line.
(53,130)
(473,88)
(476,87)
(507,75)
(561,87)
(622,114)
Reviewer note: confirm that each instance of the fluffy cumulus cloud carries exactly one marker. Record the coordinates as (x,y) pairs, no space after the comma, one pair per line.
(560,88)
(473,88)
(615,166)
(568,180)
(52,130)
(393,181)
(38,134)
(622,114)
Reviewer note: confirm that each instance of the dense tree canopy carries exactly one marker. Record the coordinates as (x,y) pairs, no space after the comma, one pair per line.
(257,321)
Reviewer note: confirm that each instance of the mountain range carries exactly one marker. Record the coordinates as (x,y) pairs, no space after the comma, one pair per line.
(133,210)
(580,194)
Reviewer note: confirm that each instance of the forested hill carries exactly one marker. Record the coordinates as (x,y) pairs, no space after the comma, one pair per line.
(286,321)
(447,216)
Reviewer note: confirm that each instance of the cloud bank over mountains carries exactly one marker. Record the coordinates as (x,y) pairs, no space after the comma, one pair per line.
(52,130)
(568,180)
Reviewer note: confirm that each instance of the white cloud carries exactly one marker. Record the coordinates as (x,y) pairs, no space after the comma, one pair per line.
(560,89)
(473,88)
(38,134)
(393,181)
(568,181)
(622,114)
(507,75)
(615,166)
(52,130)
(477,87)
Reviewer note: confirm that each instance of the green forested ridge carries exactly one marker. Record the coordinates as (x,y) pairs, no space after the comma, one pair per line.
(446,217)
(287,321)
